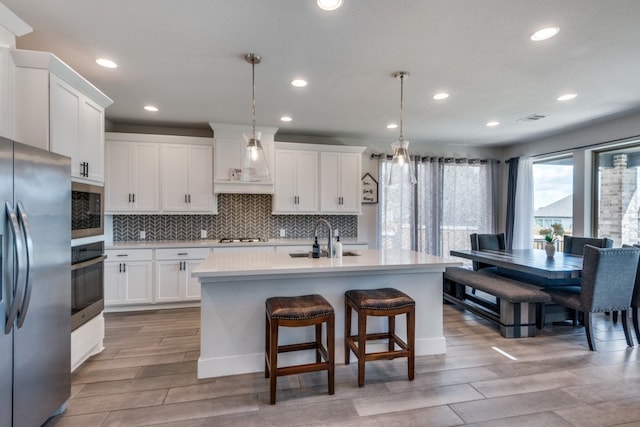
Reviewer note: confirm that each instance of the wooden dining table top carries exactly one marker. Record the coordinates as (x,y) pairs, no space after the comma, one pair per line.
(533,262)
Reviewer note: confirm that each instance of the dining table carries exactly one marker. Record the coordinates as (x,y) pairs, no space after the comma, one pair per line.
(530,265)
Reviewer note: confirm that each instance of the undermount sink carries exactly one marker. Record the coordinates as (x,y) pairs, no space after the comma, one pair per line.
(324,254)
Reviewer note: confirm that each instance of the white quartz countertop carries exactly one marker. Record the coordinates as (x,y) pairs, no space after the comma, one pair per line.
(211,243)
(228,265)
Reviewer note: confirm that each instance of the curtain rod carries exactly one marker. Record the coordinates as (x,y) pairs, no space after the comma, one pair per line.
(439,158)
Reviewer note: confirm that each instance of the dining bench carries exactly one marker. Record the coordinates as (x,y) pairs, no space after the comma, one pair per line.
(518,308)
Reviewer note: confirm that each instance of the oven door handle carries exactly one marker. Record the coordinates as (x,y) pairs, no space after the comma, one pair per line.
(23,220)
(17,276)
(87,263)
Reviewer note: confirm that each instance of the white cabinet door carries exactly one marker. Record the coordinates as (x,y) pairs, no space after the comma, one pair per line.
(187,184)
(118,182)
(145,169)
(112,285)
(128,283)
(76,129)
(175,178)
(200,170)
(132,177)
(64,126)
(91,145)
(138,283)
(169,280)
(340,182)
(296,182)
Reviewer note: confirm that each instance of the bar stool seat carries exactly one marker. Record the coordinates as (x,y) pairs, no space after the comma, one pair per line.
(299,311)
(386,302)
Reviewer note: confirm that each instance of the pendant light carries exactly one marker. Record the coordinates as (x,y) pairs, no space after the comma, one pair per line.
(254,161)
(401,166)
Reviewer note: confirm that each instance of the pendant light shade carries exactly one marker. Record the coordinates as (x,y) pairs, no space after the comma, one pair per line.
(401,166)
(254,161)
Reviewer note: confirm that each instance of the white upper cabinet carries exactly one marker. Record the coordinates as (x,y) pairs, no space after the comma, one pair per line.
(186,178)
(58,110)
(132,176)
(317,179)
(228,146)
(340,185)
(296,186)
(159,174)
(77,130)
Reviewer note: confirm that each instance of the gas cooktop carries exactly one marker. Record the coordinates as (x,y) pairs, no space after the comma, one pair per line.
(242,240)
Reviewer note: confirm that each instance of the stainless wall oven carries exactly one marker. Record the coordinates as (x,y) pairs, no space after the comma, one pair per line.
(87,210)
(87,282)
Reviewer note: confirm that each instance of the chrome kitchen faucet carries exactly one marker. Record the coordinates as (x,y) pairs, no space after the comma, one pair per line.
(330,242)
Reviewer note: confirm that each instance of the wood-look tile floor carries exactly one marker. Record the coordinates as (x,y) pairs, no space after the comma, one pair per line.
(147,376)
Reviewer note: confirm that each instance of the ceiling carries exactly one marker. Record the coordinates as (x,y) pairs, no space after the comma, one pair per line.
(187,58)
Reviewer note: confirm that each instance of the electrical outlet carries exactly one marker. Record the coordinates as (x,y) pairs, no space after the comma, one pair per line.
(143,235)
(203,234)
(283,232)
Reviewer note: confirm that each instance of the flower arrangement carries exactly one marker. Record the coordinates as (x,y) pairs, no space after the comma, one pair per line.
(550,237)
(554,233)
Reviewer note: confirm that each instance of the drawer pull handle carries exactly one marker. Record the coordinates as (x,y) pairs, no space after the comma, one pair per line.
(183,253)
(122,255)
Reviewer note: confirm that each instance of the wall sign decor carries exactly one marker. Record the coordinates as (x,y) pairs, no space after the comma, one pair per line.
(369,189)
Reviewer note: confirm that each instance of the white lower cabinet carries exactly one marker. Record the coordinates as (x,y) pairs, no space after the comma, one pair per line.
(128,277)
(173,274)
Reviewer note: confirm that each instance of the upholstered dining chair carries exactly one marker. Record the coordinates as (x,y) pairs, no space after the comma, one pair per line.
(608,282)
(575,245)
(493,242)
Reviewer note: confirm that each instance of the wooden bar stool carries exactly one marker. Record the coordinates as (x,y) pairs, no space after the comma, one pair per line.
(299,311)
(386,302)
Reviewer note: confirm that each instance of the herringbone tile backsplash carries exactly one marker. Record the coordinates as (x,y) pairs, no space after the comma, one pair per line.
(239,215)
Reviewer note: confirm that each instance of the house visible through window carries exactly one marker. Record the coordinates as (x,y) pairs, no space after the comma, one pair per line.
(553,196)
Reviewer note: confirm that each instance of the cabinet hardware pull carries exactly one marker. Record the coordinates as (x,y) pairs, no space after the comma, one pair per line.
(122,255)
(86,170)
(185,198)
(183,253)
(129,197)
(120,268)
(124,268)
(189,198)
(134,197)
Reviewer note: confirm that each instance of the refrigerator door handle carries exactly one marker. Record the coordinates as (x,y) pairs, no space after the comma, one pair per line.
(18,246)
(24,222)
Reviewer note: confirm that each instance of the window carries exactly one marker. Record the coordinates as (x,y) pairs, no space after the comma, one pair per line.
(552,195)
(617,204)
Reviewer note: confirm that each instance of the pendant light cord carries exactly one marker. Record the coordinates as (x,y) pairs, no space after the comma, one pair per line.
(401,106)
(253,97)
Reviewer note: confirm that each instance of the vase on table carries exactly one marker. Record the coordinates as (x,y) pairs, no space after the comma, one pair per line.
(550,248)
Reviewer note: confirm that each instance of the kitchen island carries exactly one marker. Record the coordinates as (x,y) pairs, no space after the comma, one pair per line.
(234,287)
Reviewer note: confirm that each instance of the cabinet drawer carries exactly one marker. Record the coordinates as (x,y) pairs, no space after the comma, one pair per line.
(182,253)
(114,255)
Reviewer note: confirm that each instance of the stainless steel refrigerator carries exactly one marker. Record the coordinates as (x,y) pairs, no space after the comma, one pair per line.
(35,297)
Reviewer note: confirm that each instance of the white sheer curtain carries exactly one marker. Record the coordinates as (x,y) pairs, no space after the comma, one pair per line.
(452,199)
(523,215)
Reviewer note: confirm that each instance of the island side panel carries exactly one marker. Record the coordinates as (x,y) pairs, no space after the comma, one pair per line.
(232,316)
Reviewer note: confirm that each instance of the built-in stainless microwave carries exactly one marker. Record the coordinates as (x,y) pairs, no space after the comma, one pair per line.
(87,210)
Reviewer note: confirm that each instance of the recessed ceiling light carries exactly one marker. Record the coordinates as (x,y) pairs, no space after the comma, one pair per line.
(567,97)
(491,124)
(329,4)
(544,34)
(106,63)
(441,95)
(392,126)
(286,118)
(298,83)
(151,108)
